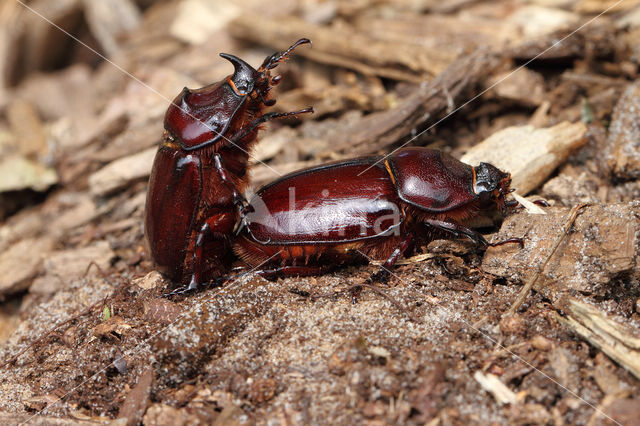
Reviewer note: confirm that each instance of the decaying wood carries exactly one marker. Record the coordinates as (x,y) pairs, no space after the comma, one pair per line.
(121,172)
(341,46)
(533,153)
(425,107)
(138,399)
(602,246)
(573,214)
(563,45)
(624,135)
(614,339)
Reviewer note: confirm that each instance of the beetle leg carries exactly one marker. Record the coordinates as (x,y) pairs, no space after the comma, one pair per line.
(205,231)
(239,201)
(458,230)
(264,118)
(382,275)
(474,236)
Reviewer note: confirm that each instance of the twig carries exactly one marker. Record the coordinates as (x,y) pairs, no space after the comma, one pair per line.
(388,297)
(573,214)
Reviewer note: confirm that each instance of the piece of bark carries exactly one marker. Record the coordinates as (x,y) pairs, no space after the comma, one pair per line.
(521,85)
(197,20)
(152,280)
(426,106)
(534,21)
(621,343)
(599,36)
(529,154)
(27,127)
(110,19)
(50,93)
(19,172)
(161,311)
(73,216)
(138,399)
(603,245)
(440,31)
(271,144)
(118,174)
(21,262)
(624,411)
(574,185)
(624,135)
(61,267)
(342,46)
(131,140)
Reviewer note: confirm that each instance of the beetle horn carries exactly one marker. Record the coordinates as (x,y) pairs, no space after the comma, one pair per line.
(244,75)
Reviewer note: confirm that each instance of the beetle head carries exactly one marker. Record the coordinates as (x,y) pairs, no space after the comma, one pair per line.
(200,117)
(492,186)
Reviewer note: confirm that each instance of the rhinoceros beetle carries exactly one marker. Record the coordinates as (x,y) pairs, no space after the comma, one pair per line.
(200,170)
(313,220)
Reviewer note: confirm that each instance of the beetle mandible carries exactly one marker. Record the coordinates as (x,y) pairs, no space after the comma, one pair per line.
(200,170)
(310,221)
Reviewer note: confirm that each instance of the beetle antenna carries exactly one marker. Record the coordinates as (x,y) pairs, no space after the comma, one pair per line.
(272,61)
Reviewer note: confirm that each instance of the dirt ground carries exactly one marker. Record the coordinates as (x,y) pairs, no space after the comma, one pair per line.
(546,333)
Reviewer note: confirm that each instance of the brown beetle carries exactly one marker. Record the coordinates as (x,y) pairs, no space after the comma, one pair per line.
(200,170)
(311,221)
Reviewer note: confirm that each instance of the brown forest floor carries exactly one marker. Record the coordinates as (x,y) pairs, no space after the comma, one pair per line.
(510,82)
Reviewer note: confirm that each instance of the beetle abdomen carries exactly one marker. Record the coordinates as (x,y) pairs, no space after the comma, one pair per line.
(334,204)
(172,199)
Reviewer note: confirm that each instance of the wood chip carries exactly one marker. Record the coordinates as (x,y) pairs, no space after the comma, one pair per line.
(120,173)
(19,172)
(138,399)
(197,20)
(162,311)
(342,46)
(602,245)
(536,21)
(624,135)
(492,384)
(529,154)
(21,262)
(152,280)
(27,127)
(114,327)
(508,86)
(617,341)
(529,206)
(61,267)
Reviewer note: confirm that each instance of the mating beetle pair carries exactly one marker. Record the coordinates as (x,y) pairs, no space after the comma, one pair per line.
(304,223)
(200,170)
